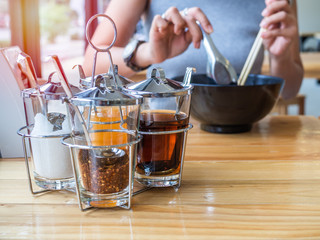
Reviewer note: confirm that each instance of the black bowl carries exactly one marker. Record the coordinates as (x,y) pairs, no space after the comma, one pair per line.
(232,108)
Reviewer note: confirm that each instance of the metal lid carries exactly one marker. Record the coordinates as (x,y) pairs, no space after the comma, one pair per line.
(158,86)
(49,91)
(104,94)
(120,81)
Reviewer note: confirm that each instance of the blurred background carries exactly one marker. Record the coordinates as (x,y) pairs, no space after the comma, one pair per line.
(44,27)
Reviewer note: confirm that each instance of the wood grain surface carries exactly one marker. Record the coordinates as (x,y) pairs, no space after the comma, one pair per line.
(264,184)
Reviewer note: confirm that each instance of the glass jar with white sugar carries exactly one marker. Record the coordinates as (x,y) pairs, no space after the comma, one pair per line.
(49,165)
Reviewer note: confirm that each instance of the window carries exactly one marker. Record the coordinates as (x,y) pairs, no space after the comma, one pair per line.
(62,24)
(45,27)
(5,33)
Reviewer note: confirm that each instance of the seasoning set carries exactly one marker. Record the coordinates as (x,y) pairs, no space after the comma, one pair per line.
(118,131)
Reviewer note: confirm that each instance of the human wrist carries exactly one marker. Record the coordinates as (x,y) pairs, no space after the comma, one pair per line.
(130,56)
(281,60)
(142,56)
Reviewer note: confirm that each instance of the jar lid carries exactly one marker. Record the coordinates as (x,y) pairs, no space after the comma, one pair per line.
(104,94)
(49,91)
(120,81)
(158,86)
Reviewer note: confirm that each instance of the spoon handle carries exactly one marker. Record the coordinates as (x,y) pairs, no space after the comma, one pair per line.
(66,87)
(62,75)
(209,45)
(25,61)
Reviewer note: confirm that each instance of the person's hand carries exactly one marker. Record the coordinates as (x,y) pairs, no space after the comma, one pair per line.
(172,33)
(281,26)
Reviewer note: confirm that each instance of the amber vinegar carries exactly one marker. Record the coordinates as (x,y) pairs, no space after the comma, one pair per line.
(160,153)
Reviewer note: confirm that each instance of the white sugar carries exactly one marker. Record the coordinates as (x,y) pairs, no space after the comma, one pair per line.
(51,158)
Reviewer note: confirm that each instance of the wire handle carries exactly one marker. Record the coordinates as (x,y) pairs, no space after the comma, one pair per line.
(107,49)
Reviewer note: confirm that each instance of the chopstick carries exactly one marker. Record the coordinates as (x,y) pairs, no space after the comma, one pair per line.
(250,59)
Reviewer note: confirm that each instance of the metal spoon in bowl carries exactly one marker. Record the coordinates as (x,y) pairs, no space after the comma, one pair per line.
(219,68)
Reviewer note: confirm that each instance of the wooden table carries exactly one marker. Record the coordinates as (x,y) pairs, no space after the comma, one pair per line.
(264,184)
(311,64)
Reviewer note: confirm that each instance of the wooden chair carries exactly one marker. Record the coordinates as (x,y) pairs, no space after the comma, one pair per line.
(283,105)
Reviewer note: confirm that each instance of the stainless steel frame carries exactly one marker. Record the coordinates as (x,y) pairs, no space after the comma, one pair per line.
(131,164)
(185,132)
(24,144)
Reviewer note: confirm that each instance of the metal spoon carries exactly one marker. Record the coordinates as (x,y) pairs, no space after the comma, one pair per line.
(186,82)
(66,87)
(26,65)
(219,68)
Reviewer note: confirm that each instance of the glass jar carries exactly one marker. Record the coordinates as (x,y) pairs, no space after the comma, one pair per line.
(104,124)
(164,122)
(47,122)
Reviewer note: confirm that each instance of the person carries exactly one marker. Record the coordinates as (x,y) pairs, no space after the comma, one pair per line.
(169,31)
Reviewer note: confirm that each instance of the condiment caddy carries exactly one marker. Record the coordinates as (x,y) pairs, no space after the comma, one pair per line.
(118,132)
